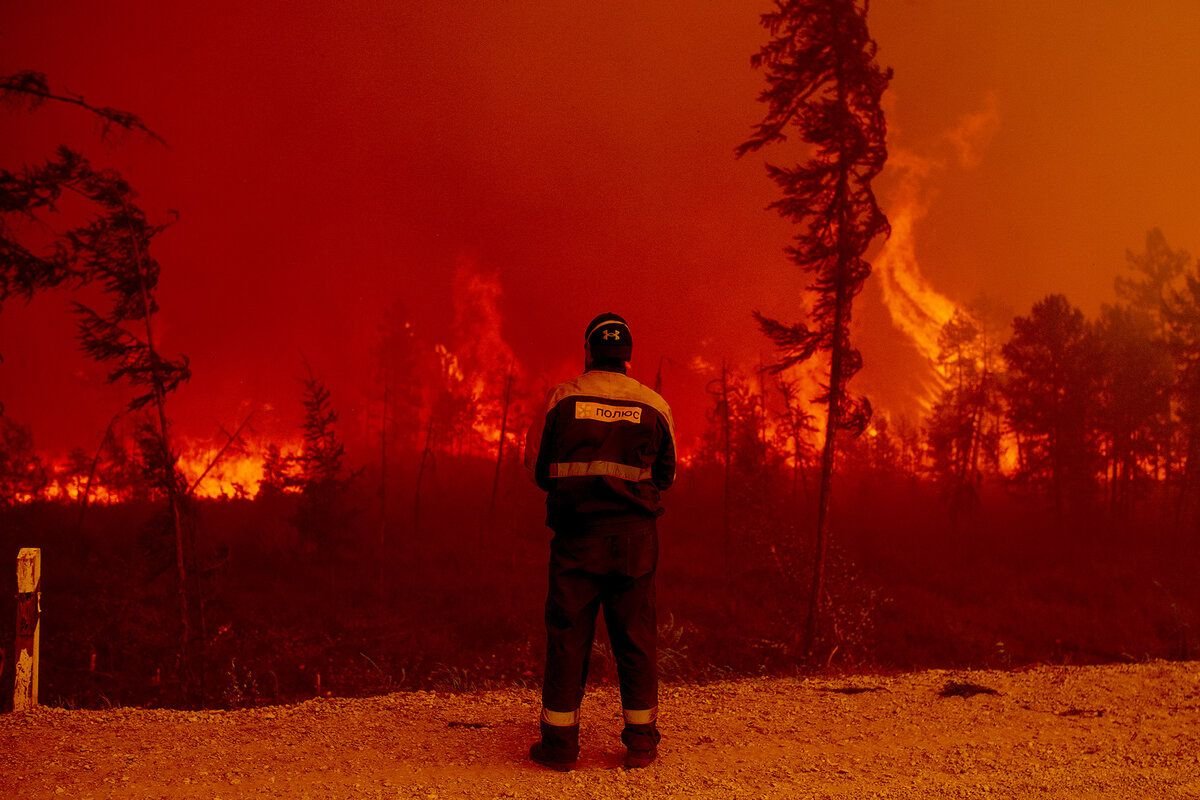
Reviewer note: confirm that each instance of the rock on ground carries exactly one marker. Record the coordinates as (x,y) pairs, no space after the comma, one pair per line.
(1062,732)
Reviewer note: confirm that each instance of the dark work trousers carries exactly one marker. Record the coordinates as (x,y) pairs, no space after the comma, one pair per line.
(607,565)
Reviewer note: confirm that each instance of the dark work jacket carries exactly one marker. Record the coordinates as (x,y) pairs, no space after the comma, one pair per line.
(604,449)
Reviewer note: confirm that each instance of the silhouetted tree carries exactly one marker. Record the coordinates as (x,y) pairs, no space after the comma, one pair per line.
(124,335)
(108,466)
(823,81)
(23,476)
(34,89)
(505,405)
(1052,376)
(718,447)
(910,459)
(37,189)
(733,442)
(448,420)
(115,467)
(278,472)
(402,369)
(963,426)
(1157,272)
(401,373)
(1183,337)
(1156,287)
(798,426)
(117,247)
(1134,399)
(321,518)
(112,247)
(877,452)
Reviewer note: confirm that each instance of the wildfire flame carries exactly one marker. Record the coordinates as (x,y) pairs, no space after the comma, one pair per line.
(236,474)
(481,345)
(917,308)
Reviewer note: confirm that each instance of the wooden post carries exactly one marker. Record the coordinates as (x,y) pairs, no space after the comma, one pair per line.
(29,610)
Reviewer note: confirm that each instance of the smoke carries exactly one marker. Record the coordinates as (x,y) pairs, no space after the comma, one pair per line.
(915,306)
(971,136)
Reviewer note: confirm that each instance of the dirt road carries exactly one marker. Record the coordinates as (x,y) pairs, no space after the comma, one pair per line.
(1085,732)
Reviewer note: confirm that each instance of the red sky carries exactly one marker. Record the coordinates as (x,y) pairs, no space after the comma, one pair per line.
(328,159)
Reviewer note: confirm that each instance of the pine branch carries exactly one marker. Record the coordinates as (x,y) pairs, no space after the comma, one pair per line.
(35,87)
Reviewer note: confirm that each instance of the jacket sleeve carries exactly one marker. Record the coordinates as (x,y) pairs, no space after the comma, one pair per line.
(663,471)
(539,445)
(546,455)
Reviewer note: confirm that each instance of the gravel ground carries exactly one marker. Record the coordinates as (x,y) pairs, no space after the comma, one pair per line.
(1063,732)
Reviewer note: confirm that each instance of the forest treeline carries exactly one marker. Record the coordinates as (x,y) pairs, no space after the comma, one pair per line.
(1101,411)
(1085,412)
(1042,511)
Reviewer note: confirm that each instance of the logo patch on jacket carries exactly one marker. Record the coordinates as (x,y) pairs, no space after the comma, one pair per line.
(606,413)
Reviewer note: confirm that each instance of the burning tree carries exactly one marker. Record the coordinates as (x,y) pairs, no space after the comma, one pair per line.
(823,81)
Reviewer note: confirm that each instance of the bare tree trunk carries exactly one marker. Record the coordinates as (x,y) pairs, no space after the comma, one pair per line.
(816,594)
(795,470)
(183,543)
(87,486)
(725,425)
(380,571)
(1183,494)
(794,417)
(762,406)
(834,408)
(421,466)
(508,386)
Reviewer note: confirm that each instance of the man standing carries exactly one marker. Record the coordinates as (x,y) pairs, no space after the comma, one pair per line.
(603,451)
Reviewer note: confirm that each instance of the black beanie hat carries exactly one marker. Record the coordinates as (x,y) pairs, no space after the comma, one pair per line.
(608,338)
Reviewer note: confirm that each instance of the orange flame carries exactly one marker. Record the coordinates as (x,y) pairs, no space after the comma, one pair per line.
(484,352)
(235,474)
(914,305)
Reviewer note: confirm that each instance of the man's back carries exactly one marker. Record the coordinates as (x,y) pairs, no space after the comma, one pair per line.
(607,448)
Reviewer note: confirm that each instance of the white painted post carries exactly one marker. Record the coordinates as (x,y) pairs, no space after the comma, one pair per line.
(29,611)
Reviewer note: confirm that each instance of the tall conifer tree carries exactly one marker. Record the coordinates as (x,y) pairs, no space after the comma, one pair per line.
(823,83)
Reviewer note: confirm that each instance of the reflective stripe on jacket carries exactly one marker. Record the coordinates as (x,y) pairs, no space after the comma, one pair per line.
(605,446)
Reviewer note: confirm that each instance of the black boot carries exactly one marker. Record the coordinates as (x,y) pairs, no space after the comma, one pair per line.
(641,742)
(559,747)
